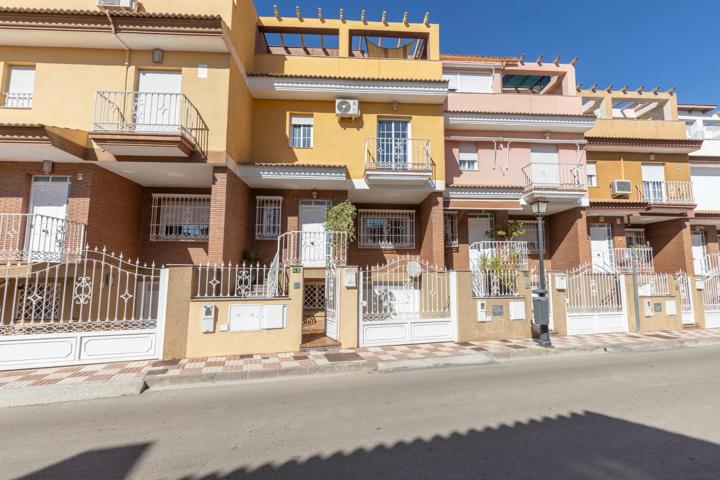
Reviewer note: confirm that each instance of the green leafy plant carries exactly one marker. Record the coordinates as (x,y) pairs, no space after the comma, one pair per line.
(253,257)
(341,218)
(513,230)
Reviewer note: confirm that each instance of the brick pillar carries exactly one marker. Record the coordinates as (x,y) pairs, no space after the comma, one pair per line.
(672,245)
(431,232)
(229,217)
(569,244)
(711,238)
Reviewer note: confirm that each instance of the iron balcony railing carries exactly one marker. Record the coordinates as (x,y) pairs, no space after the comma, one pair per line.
(312,248)
(150,113)
(398,154)
(33,237)
(642,256)
(673,192)
(555,176)
(507,254)
(17,100)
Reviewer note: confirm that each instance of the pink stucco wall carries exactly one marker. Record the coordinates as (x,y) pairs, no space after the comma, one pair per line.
(515,103)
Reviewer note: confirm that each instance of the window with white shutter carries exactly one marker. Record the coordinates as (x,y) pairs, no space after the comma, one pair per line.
(468,157)
(301,131)
(20,87)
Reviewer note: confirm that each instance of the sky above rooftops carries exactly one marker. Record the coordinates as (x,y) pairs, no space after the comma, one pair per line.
(651,42)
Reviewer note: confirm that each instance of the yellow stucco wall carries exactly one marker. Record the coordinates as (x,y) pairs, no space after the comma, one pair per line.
(626,128)
(336,141)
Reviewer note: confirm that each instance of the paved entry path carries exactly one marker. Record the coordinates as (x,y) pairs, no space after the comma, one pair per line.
(165,371)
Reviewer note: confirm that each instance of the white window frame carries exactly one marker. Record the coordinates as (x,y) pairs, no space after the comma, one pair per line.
(22,98)
(451,229)
(382,235)
(306,125)
(468,154)
(180,217)
(268,217)
(592,180)
(637,234)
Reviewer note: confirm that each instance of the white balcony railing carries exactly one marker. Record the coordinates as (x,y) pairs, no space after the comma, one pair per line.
(673,192)
(567,177)
(642,256)
(150,113)
(17,100)
(398,154)
(33,237)
(505,254)
(706,132)
(312,249)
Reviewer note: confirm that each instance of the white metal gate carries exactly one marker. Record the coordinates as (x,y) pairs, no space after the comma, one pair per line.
(686,302)
(711,300)
(90,308)
(332,304)
(596,301)
(406,301)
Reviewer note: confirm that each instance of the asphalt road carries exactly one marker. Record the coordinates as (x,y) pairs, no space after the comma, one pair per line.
(596,416)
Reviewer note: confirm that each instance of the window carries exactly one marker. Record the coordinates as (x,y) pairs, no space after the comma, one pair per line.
(451,229)
(531,236)
(635,237)
(468,156)
(469,82)
(592,175)
(301,131)
(20,87)
(392,143)
(267,219)
(180,217)
(525,83)
(387,228)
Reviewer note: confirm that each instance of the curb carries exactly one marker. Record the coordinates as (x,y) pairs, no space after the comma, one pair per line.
(430,363)
(69,392)
(660,345)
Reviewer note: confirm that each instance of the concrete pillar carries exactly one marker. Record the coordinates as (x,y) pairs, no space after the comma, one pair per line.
(177,313)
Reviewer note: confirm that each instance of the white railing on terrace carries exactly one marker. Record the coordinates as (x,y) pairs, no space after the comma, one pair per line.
(34,237)
(495,283)
(643,257)
(555,176)
(17,100)
(509,254)
(150,113)
(653,284)
(313,249)
(656,191)
(398,154)
(710,264)
(707,132)
(243,281)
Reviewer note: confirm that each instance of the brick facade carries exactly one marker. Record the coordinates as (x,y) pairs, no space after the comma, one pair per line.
(229,217)
(671,244)
(568,241)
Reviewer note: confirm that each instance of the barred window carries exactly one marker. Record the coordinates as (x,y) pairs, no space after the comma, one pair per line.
(301,131)
(531,236)
(635,237)
(387,228)
(179,217)
(268,216)
(451,229)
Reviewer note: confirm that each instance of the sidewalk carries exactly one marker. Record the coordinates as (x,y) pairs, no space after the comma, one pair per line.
(163,374)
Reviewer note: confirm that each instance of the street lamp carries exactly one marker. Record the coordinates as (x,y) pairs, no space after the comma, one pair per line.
(541,309)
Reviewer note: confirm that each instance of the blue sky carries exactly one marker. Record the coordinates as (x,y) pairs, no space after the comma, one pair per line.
(665,42)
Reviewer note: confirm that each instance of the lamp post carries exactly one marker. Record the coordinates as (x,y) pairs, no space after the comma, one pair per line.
(541,309)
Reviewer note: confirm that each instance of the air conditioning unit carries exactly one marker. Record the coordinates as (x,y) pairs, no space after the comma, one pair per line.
(120,4)
(346,107)
(620,188)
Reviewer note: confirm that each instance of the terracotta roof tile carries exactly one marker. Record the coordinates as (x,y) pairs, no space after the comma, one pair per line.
(542,114)
(504,187)
(114,13)
(476,58)
(299,165)
(644,141)
(344,77)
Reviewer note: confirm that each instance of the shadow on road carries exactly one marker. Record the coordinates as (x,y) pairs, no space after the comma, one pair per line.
(579,446)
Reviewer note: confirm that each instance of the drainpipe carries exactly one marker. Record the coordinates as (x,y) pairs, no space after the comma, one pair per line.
(125,47)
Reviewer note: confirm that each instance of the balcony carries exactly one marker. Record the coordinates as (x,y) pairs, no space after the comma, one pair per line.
(32,237)
(641,257)
(666,193)
(16,100)
(552,180)
(404,161)
(510,255)
(132,124)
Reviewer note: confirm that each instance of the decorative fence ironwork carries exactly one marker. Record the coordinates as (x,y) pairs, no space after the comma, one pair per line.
(312,248)
(495,283)
(398,154)
(150,112)
(508,254)
(592,291)
(33,237)
(685,292)
(244,281)
(653,284)
(711,292)
(97,291)
(642,256)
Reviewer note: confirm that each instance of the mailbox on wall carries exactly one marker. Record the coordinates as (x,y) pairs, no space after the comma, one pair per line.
(208,318)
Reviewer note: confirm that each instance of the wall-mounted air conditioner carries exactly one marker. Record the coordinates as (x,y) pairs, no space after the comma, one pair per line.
(347,107)
(620,188)
(123,4)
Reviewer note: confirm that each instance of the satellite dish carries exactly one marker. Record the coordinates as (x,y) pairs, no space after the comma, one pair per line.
(414,269)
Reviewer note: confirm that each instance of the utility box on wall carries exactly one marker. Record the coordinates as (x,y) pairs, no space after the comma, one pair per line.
(208,318)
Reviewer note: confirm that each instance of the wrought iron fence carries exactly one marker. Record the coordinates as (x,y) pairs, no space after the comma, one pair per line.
(643,258)
(509,254)
(398,154)
(685,292)
(243,281)
(150,112)
(592,291)
(312,248)
(98,291)
(33,237)
(711,292)
(495,283)
(653,284)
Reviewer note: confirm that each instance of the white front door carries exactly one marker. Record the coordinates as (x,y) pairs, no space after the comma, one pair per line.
(313,244)
(545,165)
(47,224)
(601,246)
(653,176)
(699,253)
(158,101)
(480,229)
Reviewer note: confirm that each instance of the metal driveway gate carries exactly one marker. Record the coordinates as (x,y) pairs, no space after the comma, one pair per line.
(596,301)
(711,300)
(92,307)
(406,301)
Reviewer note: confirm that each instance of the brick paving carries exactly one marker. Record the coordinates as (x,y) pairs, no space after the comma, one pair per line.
(289,360)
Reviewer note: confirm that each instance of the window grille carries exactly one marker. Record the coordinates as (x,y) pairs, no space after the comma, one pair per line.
(531,236)
(451,229)
(301,131)
(267,220)
(387,228)
(468,156)
(314,296)
(180,217)
(592,175)
(635,237)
